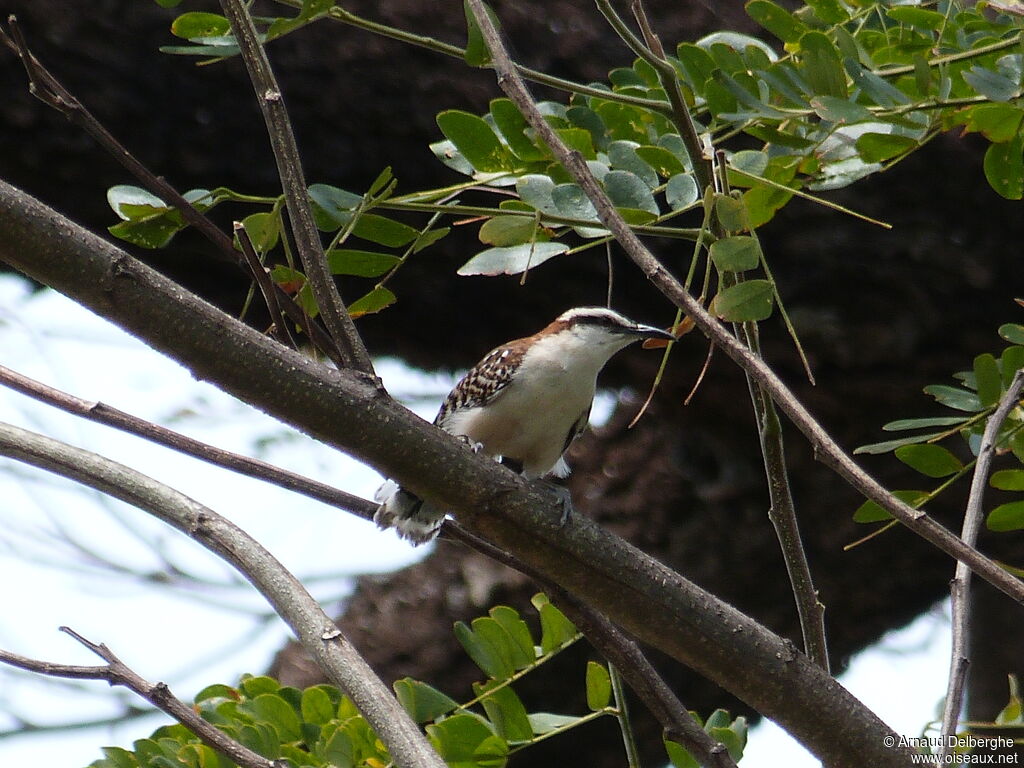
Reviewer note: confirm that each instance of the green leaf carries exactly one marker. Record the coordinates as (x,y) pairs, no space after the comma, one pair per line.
(829,11)
(679,757)
(870,512)
(485,650)
(523,652)
(840,111)
(997,122)
(1004,167)
(513,127)
(822,66)
(467,741)
(384,231)
(681,191)
(876,147)
(1011,361)
(475,140)
(131,203)
(736,254)
(535,190)
(776,20)
(572,202)
(423,702)
(546,722)
(272,709)
(332,207)
(987,379)
(731,212)
(599,686)
(954,397)
(120,758)
(155,233)
(928,459)
(750,300)
(627,190)
(661,160)
(216,691)
(511,260)
(339,750)
(556,629)
(889,445)
(622,156)
(344,261)
(428,237)
(920,18)
(926,423)
(199,24)
(508,230)
(317,706)
(1012,332)
(476,54)
(1006,517)
(1008,480)
(376,300)
(263,230)
(505,710)
(992,85)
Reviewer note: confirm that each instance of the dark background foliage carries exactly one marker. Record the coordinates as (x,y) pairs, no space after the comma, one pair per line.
(881,314)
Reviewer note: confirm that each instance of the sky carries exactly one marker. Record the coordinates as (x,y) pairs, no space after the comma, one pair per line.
(61,547)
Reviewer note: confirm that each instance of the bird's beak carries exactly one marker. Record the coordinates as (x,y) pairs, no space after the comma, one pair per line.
(650,332)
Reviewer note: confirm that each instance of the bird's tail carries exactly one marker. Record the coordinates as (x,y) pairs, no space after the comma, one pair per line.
(411,517)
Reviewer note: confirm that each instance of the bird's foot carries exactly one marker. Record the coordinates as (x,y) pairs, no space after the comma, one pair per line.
(474,446)
(563,496)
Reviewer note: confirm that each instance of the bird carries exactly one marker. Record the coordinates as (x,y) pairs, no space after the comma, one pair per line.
(523,404)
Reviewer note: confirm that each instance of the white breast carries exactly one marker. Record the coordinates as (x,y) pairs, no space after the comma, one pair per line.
(532,417)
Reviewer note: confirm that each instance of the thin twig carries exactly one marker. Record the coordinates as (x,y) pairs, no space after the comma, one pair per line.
(104,414)
(824,446)
(265,284)
(116,672)
(315,630)
(293,183)
(49,90)
(621,651)
(782,511)
(960,586)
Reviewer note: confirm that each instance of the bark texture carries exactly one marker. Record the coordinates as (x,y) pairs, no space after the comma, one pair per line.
(881,313)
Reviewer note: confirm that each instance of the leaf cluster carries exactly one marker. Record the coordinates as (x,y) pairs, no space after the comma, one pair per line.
(973,400)
(321,727)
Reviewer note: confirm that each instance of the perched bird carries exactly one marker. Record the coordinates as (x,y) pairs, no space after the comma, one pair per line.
(523,404)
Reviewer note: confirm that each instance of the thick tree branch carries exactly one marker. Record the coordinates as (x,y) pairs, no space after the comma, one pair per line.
(644,597)
(116,672)
(293,183)
(311,625)
(960,586)
(825,448)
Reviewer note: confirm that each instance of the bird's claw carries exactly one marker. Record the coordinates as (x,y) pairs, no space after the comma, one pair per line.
(564,500)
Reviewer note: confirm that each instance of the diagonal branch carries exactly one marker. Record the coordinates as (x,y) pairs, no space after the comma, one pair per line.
(311,625)
(101,413)
(825,448)
(116,672)
(48,89)
(961,584)
(293,183)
